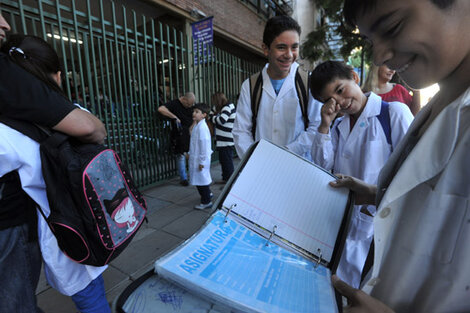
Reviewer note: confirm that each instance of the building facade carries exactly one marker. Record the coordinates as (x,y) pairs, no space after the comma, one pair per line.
(123,58)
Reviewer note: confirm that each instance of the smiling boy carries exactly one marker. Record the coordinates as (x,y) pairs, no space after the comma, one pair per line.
(358,144)
(280,117)
(422,226)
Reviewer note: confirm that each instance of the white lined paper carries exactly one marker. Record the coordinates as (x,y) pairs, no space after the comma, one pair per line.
(276,187)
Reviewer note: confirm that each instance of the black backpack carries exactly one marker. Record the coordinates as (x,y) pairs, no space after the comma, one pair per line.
(301,86)
(96,208)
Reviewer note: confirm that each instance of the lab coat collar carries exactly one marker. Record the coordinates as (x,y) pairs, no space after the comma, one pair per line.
(288,84)
(431,153)
(372,109)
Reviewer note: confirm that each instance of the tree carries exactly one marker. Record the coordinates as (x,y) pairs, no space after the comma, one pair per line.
(319,44)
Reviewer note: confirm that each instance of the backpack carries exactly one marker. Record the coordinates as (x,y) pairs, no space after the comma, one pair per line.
(384,119)
(302,79)
(95,206)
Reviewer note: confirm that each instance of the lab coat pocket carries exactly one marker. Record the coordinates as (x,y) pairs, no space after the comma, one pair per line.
(361,225)
(439,226)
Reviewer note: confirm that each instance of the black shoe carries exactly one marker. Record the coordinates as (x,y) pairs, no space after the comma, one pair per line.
(184,182)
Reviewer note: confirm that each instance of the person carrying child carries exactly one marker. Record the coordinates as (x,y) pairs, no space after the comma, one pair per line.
(422,225)
(358,144)
(200,155)
(83,283)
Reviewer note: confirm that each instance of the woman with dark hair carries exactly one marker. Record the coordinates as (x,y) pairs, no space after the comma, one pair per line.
(223,119)
(82,282)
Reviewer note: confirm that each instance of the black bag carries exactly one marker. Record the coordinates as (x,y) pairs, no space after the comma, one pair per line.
(96,208)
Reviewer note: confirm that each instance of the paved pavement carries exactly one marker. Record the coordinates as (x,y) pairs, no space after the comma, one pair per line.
(172,219)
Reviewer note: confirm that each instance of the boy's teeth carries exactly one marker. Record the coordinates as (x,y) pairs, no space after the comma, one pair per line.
(403,68)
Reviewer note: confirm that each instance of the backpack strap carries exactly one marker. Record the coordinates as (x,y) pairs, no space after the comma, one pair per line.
(302,80)
(256,89)
(384,119)
(31,130)
(302,83)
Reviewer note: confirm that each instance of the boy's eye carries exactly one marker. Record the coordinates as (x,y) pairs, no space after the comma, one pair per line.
(392,31)
(339,91)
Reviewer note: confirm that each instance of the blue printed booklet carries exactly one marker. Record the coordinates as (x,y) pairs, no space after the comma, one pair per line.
(272,242)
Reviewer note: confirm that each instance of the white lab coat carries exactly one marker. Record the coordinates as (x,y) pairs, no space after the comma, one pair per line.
(279,117)
(19,152)
(200,153)
(360,153)
(422,226)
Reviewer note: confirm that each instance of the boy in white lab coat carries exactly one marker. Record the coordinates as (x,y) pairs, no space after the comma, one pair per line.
(421,230)
(200,155)
(280,118)
(358,144)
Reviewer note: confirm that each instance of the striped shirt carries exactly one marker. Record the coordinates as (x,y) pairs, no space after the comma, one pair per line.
(223,125)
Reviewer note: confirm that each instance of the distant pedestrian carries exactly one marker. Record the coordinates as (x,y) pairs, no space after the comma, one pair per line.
(200,155)
(378,81)
(223,119)
(180,111)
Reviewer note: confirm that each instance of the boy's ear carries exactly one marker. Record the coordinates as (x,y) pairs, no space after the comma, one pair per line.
(355,77)
(265,49)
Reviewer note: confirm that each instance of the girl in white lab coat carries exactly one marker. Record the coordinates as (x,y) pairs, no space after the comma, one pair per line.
(200,155)
(356,145)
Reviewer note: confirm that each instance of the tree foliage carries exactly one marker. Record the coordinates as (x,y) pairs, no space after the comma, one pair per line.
(332,30)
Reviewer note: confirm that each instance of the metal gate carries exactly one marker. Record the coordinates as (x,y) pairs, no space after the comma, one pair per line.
(121,66)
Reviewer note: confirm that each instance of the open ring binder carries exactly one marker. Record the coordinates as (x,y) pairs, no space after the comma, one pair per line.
(274,239)
(228,211)
(271,235)
(319,257)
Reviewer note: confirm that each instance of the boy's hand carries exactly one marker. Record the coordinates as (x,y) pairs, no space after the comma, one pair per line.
(201,167)
(363,193)
(359,301)
(329,110)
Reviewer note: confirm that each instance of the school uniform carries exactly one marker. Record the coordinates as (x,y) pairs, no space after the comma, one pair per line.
(19,152)
(422,226)
(200,153)
(279,118)
(360,152)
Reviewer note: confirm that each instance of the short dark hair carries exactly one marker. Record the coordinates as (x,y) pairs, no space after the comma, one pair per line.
(34,55)
(277,25)
(326,73)
(203,107)
(352,8)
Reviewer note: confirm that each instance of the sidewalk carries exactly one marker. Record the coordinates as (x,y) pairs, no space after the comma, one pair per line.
(171,219)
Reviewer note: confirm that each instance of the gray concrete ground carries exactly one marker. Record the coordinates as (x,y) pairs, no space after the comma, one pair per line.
(171,219)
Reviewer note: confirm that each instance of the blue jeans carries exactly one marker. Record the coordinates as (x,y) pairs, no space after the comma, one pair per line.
(20,267)
(92,299)
(226,161)
(181,166)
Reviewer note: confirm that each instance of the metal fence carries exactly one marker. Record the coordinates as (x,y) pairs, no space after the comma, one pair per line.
(121,66)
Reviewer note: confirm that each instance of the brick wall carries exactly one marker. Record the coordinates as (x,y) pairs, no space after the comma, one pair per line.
(232,16)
